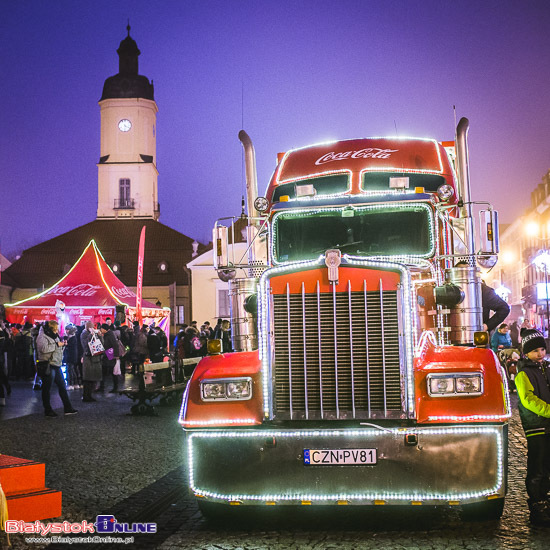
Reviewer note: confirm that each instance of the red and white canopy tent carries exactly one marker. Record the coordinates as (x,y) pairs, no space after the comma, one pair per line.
(89,291)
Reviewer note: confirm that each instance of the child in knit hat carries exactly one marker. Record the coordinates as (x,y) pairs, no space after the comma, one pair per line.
(533,387)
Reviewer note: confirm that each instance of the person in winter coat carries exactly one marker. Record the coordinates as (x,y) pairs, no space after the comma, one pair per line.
(91,364)
(154,346)
(491,301)
(3,370)
(224,333)
(70,358)
(127,339)
(49,348)
(110,341)
(501,338)
(533,387)
(24,364)
(140,345)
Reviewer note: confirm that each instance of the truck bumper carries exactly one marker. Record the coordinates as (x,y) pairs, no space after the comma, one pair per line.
(423,465)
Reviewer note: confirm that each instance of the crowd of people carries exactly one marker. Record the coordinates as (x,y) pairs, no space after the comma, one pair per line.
(37,352)
(191,341)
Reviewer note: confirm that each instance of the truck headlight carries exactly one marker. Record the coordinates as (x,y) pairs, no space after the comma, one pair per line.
(230,389)
(449,385)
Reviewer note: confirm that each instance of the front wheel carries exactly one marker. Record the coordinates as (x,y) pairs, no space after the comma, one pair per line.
(483,511)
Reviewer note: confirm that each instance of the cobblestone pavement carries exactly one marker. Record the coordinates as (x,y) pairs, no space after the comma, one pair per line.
(108,462)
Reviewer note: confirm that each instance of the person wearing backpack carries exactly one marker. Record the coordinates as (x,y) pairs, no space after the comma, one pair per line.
(191,342)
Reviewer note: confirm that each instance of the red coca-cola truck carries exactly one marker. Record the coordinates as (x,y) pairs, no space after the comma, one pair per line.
(361,373)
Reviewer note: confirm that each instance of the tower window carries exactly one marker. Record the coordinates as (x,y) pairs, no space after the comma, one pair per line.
(124,193)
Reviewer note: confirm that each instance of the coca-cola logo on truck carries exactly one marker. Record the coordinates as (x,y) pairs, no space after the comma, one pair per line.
(83,289)
(370,152)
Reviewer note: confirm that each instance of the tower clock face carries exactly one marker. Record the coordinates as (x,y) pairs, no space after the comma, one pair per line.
(124,125)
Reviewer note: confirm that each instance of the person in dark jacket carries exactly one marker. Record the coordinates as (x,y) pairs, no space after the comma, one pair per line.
(533,387)
(70,357)
(24,353)
(154,346)
(91,364)
(3,376)
(491,301)
(109,342)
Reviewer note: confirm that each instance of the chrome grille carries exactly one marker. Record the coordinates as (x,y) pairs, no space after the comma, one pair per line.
(337,355)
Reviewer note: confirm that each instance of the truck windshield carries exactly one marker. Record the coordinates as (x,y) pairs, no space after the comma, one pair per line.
(365,231)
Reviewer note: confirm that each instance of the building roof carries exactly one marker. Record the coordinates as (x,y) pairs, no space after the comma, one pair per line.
(128,83)
(42,265)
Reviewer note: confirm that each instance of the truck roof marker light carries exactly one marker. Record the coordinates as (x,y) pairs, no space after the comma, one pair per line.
(371,193)
(386,496)
(419,190)
(284,198)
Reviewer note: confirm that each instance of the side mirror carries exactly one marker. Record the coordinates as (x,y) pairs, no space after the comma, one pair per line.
(488,231)
(220,239)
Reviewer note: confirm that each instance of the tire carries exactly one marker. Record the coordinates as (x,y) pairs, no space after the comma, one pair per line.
(483,511)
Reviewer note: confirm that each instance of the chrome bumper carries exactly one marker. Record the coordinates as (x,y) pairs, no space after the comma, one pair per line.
(434,466)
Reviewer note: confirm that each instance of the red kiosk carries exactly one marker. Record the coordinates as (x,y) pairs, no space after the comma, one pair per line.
(89,291)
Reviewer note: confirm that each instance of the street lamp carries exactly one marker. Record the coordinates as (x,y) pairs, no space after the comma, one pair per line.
(542,263)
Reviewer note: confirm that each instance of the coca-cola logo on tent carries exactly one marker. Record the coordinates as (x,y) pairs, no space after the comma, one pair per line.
(83,289)
(370,152)
(122,292)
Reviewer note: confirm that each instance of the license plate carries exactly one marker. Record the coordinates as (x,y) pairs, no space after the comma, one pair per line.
(339,457)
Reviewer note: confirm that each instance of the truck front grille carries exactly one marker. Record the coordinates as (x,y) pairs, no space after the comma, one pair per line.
(337,355)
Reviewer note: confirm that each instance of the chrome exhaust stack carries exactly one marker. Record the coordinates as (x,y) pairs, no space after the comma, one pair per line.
(242,291)
(460,297)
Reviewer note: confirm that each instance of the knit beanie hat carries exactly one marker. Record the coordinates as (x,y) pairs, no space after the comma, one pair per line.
(532,339)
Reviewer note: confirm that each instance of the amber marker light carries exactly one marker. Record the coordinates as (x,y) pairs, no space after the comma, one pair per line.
(214,347)
(481,339)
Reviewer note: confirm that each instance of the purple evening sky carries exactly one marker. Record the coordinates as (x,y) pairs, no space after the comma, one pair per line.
(310,71)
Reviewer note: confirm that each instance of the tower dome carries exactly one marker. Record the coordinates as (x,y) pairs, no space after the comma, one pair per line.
(128,83)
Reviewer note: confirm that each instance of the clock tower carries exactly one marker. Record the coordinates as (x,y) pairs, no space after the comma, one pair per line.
(127,172)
